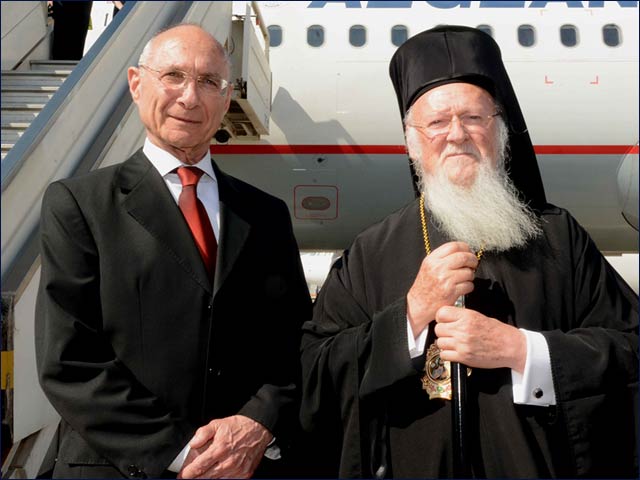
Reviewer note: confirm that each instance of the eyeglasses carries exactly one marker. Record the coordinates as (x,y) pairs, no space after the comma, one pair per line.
(437,125)
(177,79)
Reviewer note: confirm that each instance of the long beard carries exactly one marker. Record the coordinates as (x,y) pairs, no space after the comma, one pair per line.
(487,214)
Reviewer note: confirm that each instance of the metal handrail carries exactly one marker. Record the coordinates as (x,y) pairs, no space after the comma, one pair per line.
(70,133)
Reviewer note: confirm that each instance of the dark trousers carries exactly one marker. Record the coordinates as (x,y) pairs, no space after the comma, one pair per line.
(70,24)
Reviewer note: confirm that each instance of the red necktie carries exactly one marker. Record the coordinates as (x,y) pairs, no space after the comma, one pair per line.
(197,218)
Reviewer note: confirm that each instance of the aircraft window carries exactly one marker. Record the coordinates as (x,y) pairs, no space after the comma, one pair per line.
(611,35)
(315,35)
(486,29)
(569,35)
(357,35)
(399,35)
(275,35)
(526,35)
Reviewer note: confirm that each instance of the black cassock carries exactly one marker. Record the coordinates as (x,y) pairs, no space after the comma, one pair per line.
(362,390)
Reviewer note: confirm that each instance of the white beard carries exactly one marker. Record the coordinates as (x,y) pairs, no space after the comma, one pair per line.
(488,214)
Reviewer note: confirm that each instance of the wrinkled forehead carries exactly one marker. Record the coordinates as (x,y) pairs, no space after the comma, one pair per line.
(192,53)
(455,97)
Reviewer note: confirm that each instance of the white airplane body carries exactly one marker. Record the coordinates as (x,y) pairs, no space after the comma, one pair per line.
(335,150)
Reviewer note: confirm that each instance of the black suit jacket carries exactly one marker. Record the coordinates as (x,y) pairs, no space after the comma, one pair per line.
(136,348)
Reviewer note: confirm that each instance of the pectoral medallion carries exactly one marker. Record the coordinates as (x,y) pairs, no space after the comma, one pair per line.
(436,380)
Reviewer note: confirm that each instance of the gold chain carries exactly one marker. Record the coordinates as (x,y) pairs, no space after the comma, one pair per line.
(436,380)
(425,231)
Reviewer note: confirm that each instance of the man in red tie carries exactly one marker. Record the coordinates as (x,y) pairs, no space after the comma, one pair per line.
(171,296)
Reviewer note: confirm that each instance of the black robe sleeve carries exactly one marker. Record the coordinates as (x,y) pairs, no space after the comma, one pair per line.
(347,354)
(594,360)
(356,344)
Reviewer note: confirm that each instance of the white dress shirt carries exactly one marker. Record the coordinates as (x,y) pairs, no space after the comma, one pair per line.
(533,387)
(207,188)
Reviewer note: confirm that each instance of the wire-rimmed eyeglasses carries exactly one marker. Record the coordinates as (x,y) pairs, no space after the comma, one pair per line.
(177,79)
(436,125)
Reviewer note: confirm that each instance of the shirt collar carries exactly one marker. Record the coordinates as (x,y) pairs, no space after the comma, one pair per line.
(165,163)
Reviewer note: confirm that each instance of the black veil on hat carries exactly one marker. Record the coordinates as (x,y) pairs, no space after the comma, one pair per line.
(449,54)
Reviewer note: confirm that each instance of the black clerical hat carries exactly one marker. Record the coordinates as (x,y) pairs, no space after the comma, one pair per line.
(449,54)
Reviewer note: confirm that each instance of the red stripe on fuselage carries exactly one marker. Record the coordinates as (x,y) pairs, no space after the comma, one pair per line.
(266,149)
(261,148)
(585,149)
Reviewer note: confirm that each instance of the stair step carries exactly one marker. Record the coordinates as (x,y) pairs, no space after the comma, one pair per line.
(17,116)
(26,97)
(29,88)
(11,136)
(32,81)
(39,65)
(58,72)
(21,106)
(33,74)
(14,125)
(6,146)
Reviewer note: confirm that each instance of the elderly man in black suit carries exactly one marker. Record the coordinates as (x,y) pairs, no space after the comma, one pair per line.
(171,295)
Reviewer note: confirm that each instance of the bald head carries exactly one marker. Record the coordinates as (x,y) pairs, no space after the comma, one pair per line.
(169,35)
(181,91)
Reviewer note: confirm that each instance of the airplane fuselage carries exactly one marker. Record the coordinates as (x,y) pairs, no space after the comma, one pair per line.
(335,151)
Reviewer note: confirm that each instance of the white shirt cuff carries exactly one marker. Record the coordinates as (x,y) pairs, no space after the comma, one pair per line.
(273,450)
(416,345)
(535,385)
(177,463)
(272,453)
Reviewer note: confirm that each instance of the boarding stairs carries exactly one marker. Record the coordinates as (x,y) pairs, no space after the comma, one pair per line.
(25,93)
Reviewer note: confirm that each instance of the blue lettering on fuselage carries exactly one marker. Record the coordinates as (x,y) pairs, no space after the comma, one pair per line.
(346,4)
(544,4)
(500,4)
(389,4)
(481,4)
(447,4)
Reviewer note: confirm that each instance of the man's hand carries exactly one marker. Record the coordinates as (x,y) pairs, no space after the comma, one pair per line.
(471,338)
(444,275)
(230,447)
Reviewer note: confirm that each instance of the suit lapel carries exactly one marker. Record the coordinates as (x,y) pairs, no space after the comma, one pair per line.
(150,203)
(234,228)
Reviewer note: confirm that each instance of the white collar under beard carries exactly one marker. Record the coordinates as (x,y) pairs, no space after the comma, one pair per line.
(488,214)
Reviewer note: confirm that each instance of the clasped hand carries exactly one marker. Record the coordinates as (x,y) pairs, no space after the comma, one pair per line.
(230,447)
(444,275)
(464,335)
